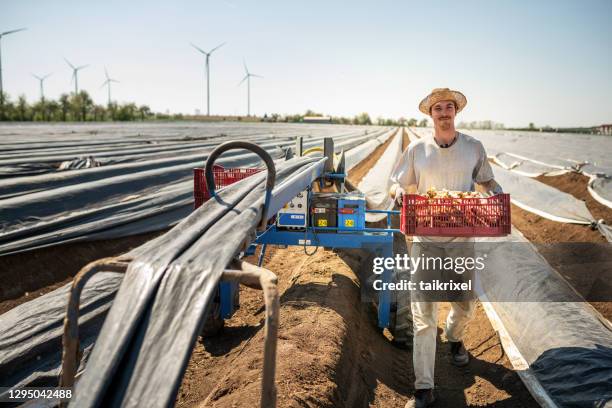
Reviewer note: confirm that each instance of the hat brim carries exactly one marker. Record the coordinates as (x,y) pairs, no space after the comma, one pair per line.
(446,95)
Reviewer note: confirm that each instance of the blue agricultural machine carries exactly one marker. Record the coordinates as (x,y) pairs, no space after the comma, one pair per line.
(307,218)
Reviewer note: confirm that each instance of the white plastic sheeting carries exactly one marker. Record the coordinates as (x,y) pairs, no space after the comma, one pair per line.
(412,135)
(526,167)
(542,199)
(589,152)
(357,154)
(561,349)
(601,190)
(376,183)
(547,202)
(535,153)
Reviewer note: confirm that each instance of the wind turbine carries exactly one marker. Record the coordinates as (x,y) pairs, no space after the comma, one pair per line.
(41,80)
(108,84)
(207,54)
(247,78)
(2,35)
(75,77)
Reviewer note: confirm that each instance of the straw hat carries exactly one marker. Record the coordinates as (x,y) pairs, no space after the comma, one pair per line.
(442,94)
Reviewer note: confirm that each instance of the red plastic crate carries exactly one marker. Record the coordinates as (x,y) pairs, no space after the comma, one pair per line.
(456,217)
(223,178)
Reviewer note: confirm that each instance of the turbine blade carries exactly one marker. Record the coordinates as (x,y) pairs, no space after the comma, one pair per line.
(37,77)
(106,73)
(103,83)
(198,48)
(245,66)
(47,76)
(216,48)
(257,76)
(243,79)
(68,62)
(12,31)
(82,66)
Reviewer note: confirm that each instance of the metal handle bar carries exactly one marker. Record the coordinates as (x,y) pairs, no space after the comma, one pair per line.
(239,144)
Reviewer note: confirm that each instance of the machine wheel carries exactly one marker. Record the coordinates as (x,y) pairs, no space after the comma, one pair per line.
(402,335)
(392,320)
(214,322)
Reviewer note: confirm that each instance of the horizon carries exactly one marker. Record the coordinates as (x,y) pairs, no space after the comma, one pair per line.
(376,60)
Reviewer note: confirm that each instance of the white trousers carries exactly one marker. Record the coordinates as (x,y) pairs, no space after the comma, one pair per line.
(424,317)
(425,313)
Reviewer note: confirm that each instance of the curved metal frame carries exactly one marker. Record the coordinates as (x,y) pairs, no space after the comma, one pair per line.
(238,271)
(70,339)
(242,272)
(239,144)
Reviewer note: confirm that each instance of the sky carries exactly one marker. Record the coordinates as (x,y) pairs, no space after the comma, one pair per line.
(547,62)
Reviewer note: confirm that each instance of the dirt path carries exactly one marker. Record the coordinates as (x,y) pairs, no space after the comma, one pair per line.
(405,139)
(330,352)
(359,171)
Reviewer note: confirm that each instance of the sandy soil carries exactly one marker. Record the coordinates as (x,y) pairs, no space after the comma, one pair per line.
(331,354)
(405,139)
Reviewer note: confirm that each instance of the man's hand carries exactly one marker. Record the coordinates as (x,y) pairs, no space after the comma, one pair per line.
(397,192)
(492,187)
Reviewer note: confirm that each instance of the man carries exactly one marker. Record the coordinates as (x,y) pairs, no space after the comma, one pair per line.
(445,160)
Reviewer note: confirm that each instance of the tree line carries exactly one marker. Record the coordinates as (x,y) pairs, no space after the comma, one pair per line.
(483,124)
(81,108)
(360,119)
(69,108)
